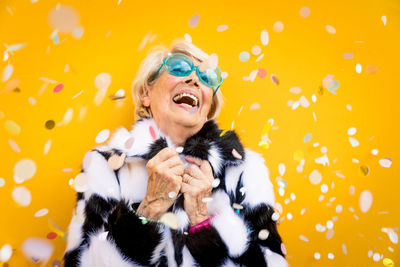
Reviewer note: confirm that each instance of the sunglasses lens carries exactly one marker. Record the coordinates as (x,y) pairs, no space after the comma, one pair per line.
(211,77)
(178,65)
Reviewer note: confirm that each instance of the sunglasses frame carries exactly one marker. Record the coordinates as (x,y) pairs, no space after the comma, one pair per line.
(193,67)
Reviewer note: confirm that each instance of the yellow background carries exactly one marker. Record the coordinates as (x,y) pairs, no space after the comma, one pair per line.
(301,55)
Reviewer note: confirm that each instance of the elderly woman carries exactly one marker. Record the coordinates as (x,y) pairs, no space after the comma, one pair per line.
(175,190)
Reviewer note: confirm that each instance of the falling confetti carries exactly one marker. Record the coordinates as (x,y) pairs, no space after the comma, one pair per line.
(263,234)
(2,182)
(41,213)
(14,146)
(274,79)
(383,18)
(371,69)
(58,88)
(351,131)
(102,81)
(81,182)
(170,220)
(254,106)
(188,38)
(12,127)
(256,50)
(216,182)
(354,142)
(305,239)
(304,12)
(364,170)
(278,27)
(47,147)
(317,256)
(51,235)
(37,249)
(358,68)
(22,196)
(63,18)
(5,253)
(315,177)
(282,169)
(307,138)
(50,124)
(295,90)
(222,28)
(386,162)
(25,169)
(264,37)
(330,29)
(244,56)
(365,200)
(194,20)
(348,55)
(262,73)
(236,154)
(7,72)
(102,136)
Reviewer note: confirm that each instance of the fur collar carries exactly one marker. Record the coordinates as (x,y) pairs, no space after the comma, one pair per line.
(145,140)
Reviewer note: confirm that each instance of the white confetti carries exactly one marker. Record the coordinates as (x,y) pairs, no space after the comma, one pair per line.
(282,169)
(22,196)
(331,256)
(344,248)
(354,142)
(358,68)
(351,131)
(102,81)
(317,256)
(263,234)
(172,194)
(324,188)
(216,182)
(365,200)
(374,152)
(383,18)
(329,224)
(41,213)
(102,136)
(275,216)
(315,177)
(386,162)
(264,37)
(179,149)
(339,208)
(305,239)
(7,72)
(5,253)
(47,147)
(289,216)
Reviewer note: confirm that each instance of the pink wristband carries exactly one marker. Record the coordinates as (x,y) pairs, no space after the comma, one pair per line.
(199,226)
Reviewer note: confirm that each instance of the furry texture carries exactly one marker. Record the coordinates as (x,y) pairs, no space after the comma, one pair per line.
(109,204)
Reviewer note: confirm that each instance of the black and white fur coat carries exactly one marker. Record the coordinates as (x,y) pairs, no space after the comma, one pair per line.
(105,230)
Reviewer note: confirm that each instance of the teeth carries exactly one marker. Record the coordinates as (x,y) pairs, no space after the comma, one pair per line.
(177,97)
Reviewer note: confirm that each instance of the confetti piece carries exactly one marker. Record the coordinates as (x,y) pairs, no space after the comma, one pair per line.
(12,127)
(102,81)
(354,142)
(282,169)
(330,29)
(365,201)
(152,132)
(324,160)
(371,69)
(2,182)
(275,216)
(102,136)
(47,147)
(364,170)
(236,154)
(222,28)
(263,234)
(207,199)
(376,256)
(317,256)
(304,12)
(254,106)
(324,188)
(307,138)
(244,56)
(386,162)
(77,32)
(358,68)
(170,220)
(216,182)
(295,90)
(41,213)
(305,239)
(329,224)
(172,194)
(7,72)
(388,262)
(51,235)
(99,97)
(5,253)
(22,196)
(25,169)
(37,249)
(329,234)
(58,88)
(278,27)
(129,143)
(339,208)
(222,133)
(116,161)
(32,101)
(81,182)
(256,50)
(262,73)
(194,20)
(289,216)
(67,116)
(351,131)
(331,256)
(224,75)
(348,55)
(315,177)
(264,37)
(82,113)
(14,146)
(187,37)
(274,79)
(50,124)
(260,57)
(384,20)
(63,18)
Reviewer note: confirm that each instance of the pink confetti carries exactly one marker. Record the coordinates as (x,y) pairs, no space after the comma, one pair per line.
(283,248)
(129,143)
(58,88)
(152,132)
(262,73)
(236,154)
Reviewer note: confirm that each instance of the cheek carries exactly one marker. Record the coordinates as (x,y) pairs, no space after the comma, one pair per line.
(171,81)
(207,96)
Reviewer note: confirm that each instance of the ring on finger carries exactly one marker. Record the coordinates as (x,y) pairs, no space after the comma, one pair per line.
(187,178)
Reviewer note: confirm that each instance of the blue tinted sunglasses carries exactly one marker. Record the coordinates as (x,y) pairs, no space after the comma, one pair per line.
(180,65)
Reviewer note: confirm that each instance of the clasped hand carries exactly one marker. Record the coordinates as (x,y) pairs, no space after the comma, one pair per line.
(167,177)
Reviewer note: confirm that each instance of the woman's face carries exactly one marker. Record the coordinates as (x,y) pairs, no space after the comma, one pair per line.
(179,100)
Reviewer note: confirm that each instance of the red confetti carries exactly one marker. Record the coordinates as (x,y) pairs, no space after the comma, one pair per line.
(51,235)
(58,88)
(262,73)
(152,132)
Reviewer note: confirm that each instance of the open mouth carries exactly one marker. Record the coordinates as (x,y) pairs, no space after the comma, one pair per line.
(185,98)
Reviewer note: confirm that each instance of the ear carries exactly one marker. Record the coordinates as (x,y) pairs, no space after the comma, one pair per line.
(145,97)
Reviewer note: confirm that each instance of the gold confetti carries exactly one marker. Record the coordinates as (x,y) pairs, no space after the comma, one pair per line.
(364,170)
(223,132)
(12,127)
(388,262)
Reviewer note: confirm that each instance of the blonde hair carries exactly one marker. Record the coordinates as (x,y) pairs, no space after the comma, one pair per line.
(149,66)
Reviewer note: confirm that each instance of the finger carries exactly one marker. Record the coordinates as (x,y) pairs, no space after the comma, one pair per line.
(165,154)
(185,188)
(172,162)
(195,172)
(188,179)
(205,167)
(178,170)
(193,160)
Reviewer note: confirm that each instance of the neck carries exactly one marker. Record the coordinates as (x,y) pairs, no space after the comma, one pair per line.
(178,133)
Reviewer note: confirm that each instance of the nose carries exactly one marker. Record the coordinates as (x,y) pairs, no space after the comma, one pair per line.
(192,79)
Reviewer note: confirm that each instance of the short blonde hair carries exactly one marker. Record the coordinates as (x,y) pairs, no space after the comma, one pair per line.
(149,67)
